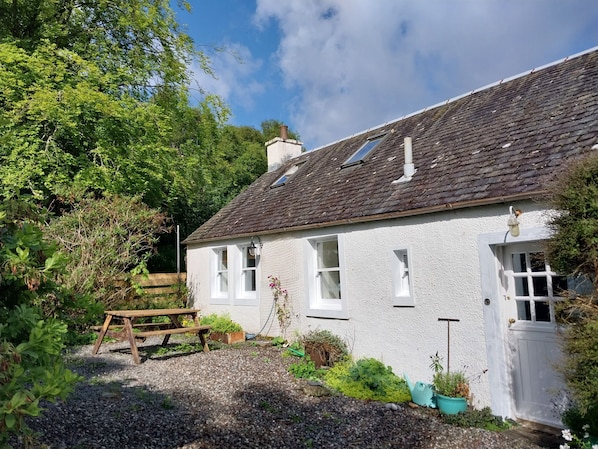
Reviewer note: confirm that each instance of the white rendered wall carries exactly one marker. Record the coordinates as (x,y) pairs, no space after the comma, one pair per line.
(445,271)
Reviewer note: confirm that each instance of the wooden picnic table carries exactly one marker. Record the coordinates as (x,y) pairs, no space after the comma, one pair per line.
(125,330)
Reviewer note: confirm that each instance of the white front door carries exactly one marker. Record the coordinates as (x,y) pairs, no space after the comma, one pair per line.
(530,289)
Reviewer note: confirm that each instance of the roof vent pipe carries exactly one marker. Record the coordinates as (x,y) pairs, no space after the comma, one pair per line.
(408,168)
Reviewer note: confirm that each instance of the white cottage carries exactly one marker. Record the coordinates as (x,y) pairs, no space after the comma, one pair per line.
(385,236)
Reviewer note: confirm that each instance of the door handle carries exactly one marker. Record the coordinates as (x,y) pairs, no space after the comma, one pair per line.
(511,321)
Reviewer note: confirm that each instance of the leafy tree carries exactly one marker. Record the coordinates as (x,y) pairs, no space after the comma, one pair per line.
(573,249)
(31,339)
(106,240)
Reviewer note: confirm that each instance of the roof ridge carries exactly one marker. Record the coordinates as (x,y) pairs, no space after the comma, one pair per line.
(458,97)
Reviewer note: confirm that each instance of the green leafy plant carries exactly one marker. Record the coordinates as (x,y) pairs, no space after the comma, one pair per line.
(32,332)
(278,341)
(367,379)
(453,384)
(483,419)
(324,348)
(306,369)
(221,323)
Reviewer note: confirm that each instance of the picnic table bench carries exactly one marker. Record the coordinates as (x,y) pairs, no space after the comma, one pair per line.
(132,331)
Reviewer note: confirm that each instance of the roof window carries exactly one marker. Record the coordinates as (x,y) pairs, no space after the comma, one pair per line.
(284,178)
(365,149)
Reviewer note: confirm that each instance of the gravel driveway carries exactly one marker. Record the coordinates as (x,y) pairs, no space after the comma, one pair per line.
(241,397)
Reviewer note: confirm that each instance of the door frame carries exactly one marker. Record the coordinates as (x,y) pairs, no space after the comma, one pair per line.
(499,363)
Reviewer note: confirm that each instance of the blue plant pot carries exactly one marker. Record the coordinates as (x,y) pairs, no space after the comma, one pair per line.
(450,406)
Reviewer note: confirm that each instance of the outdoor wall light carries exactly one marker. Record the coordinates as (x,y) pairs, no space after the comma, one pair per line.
(253,249)
(513,223)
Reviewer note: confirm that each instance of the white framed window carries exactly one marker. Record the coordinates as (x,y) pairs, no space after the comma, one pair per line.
(248,271)
(246,275)
(220,276)
(325,278)
(402,284)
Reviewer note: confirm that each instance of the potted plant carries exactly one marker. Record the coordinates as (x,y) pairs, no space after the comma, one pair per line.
(451,388)
(224,329)
(324,348)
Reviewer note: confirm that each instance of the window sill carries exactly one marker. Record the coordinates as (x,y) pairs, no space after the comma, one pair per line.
(403,301)
(337,314)
(219,300)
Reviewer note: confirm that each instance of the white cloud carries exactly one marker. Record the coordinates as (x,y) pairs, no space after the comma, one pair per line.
(235,71)
(360,63)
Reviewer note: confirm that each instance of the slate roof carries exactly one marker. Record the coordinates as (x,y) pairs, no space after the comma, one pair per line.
(501,143)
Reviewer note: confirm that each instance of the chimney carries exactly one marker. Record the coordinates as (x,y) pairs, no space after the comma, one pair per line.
(281,149)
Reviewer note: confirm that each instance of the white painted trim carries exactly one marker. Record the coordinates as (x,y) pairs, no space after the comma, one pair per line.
(310,267)
(243,297)
(402,300)
(494,320)
(216,296)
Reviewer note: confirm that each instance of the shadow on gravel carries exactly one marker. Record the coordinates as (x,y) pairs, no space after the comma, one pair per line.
(126,413)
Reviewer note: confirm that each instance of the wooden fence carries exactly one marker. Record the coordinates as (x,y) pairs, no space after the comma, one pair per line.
(163,284)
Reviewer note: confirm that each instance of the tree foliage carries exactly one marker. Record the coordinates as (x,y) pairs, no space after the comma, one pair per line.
(573,249)
(94,99)
(106,242)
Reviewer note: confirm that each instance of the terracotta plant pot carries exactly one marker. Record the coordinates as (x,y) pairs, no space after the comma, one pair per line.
(229,338)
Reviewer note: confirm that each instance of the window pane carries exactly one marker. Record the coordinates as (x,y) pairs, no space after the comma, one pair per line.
(249,280)
(330,284)
(536,261)
(540,286)
(249,259)
(222,260)
(519,265)
(223,281)
(524,311)
(542,311)
(521,287)
(328,254)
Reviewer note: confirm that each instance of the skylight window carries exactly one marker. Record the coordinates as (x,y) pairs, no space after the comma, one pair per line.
(284,178)
(365,149)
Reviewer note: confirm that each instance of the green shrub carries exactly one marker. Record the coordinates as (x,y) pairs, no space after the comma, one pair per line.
(483,419)
(575,420)
(367,379)
(573,250)
(221,323)
(32,328)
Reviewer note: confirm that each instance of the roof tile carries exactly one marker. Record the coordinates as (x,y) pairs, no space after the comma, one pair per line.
(505,140)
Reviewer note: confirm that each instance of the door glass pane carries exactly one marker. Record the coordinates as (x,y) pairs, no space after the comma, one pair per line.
(330,284)
(524,311)
(521,287)
(519,265)
(540,286)
(542,311)
(536,261)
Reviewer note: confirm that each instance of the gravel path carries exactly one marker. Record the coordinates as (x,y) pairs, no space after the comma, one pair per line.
(240,397)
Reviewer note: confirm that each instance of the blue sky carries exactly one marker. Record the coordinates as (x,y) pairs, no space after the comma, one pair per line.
(333,68)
